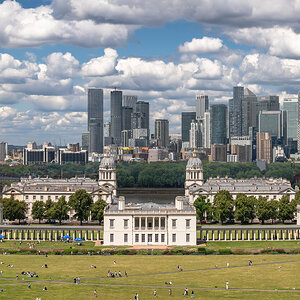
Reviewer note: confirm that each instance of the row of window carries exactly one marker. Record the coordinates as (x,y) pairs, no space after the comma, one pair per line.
(142,238)
(149,225)
(34,197)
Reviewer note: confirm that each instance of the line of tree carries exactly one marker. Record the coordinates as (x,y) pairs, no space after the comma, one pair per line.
(156,175)
(245,209)
(80,204)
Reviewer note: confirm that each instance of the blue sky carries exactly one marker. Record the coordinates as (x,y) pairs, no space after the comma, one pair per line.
(165,52)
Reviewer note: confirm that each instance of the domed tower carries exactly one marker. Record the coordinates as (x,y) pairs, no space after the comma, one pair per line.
(193,173)
(108,174)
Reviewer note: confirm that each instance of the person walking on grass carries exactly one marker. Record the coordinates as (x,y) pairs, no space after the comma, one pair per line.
(192,295)
(227,285)
(95,294)
(154,293)
(170,292)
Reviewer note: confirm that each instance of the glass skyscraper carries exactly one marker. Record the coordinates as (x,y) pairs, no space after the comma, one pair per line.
(186,120)
(218,122)
(290,105)
(116,116)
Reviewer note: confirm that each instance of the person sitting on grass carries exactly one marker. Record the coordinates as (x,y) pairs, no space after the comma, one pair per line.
(45,289)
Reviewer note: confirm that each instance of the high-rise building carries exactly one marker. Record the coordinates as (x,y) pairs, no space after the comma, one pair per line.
(95,120)
(116,116)
(264,146)
(3,151)
(268,103)
(218,152)
(235,111)
(126,135)
(218,124)
(85,140)
(186,120)
(129,101)
(162,132)
(126,117)
(249,105)
(195,134)
(290,105)
(138,120)
(241,146)
(143,107)
(106,129)
(272,122)
(206,131)
(202,105)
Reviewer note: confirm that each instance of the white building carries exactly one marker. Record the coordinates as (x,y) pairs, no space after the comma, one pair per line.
(270,188)
(43,189)
(150,223)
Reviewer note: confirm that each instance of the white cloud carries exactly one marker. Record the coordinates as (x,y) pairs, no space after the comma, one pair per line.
(100,66)
(202,46)
(7,112)
(279,41)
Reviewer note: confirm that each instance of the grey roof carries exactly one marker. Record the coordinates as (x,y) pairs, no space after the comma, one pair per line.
(194,162)
(107,161)
(150,206)
(253,185)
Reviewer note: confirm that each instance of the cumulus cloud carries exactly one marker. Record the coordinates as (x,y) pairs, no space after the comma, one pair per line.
(279,41)
(202,46)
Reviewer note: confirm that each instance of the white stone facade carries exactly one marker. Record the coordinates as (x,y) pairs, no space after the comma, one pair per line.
(150,224)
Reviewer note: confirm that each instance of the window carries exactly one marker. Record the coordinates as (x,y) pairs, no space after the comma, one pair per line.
(162,238)
(136,238)
(188,223)
(156,222)
(126,224)
(111,237)
(143,223)
(156,238)
(136,223)
(174,237)
(143,238)
(56,197)
(125,238)
(174,223)
(149,225)
(162,223)
(42,197)
(111,223)
(187,237)
(149,238)
(34,197)
(26,197)
(49,197)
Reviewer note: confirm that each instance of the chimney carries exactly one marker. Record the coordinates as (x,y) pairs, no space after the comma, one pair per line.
(121,203)
(179,203)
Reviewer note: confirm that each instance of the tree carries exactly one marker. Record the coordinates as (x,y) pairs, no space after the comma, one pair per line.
(286,209)
(244,208)
(273,209)
(38,210)
(20,210)
(60,210)
(81,202)
(49,210)
(223,206)
(97,210)
(262,209)
(203,208)
(14,209)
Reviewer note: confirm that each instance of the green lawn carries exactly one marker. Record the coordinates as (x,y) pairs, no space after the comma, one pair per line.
(278,272)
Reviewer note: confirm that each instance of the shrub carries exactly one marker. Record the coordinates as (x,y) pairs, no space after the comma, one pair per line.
(225,251)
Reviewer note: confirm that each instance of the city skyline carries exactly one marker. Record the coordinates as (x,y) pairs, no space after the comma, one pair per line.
(163,56)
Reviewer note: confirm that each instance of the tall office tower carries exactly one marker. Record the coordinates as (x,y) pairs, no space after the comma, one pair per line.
(126,135)
(143,107)
(3,151)
(267,103)
(290,105)
(129,101)
(162,132)
(116,116)
(271,122)
(206,130)
(264,146)
(235,112)
(201,106)
(126,117)
(248,111)
(186,120)
(106,129)
(138,120)
(95,120)
(85,140)
(195,135)
(218,122)
(31,145)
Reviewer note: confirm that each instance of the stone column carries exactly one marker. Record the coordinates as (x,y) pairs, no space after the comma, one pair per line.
(213,235)
(219,235)
(32,235)
(8,235)
(271,235)
(92,235)
(230,235)
(15,234)
(44,235)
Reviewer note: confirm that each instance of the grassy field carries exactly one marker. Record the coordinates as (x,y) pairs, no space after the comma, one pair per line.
(146,273)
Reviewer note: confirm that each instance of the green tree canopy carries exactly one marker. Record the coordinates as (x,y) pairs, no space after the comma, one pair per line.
(60,210)
(97,210)
(262,209)
(244,208)
(203,208)
(81,202)
(273,209)
(285,209)
(223,206)
(38,210)
(49,205)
